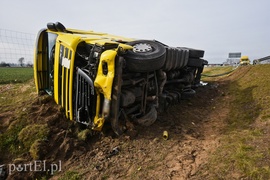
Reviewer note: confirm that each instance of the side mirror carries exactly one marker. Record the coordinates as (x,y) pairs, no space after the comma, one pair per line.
(60,27)
(51,26)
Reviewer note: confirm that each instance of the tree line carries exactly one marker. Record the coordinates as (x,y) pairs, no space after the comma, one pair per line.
(21,63)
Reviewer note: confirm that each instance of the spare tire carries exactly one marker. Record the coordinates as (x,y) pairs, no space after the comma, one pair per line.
(146,56)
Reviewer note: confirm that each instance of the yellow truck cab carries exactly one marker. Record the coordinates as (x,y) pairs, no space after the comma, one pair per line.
(244,60)
(98,77)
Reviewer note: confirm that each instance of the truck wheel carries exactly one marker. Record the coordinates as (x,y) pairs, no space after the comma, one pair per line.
(196,62)
(145,56)
(194,53)
(149,118)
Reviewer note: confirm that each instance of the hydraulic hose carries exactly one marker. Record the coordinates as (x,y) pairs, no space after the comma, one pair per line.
(222,74)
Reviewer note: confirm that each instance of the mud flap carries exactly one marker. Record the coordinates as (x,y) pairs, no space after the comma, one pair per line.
(116,94)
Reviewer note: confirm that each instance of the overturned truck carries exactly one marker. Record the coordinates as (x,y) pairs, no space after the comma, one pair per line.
(98,77)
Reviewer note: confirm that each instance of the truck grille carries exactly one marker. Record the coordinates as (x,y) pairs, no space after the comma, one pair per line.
(85,101)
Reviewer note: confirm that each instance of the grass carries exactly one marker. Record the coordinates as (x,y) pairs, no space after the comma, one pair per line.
(29,134)
(13,95)
(9,140)
(250,96)
(14,110)
(216,72)
(18,133)
(240,157)
(244,152)
(71,175)
(15,75)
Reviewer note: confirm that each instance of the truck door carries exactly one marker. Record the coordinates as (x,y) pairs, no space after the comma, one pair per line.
(43,61)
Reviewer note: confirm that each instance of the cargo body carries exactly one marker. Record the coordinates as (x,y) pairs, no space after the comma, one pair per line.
(98,78)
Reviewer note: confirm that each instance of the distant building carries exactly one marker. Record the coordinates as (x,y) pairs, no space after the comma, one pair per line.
(233,59)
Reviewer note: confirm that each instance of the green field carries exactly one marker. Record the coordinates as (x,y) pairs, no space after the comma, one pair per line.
(15,75)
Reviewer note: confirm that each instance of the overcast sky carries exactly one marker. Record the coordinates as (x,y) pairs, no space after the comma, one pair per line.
(218,27)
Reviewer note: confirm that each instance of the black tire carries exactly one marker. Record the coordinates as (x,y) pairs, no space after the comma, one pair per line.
(188,93)
(146,56)
(195,62)
(194,53)
(149,118)
(176,58)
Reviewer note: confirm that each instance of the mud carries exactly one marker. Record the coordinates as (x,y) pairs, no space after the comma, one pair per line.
(193,128)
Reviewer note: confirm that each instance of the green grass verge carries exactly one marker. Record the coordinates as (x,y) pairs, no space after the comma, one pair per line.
(244,152)
(15,75)
(15,102)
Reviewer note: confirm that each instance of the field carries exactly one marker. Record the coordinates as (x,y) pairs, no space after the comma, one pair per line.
(221,133)
(15,75)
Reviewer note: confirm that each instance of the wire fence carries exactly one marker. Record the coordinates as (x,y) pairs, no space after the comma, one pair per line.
(15,47)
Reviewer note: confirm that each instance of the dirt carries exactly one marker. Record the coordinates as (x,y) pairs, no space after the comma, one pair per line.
(193,127)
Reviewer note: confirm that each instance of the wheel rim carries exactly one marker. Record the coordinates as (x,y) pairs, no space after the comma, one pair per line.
(142,48)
